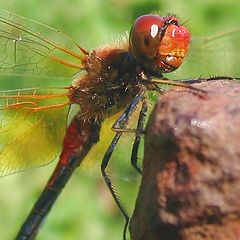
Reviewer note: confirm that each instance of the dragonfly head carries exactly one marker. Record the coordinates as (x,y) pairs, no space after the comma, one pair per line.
(158,43)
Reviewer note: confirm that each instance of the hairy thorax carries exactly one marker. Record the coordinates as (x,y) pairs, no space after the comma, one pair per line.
(110,83)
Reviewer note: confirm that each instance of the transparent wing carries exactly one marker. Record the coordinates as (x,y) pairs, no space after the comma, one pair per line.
(32,127)
(31,48)
(216,55)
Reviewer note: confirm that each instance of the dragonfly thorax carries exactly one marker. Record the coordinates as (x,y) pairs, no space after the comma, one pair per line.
(111,81)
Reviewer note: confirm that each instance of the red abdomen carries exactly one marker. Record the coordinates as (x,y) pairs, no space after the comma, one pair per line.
(75,138)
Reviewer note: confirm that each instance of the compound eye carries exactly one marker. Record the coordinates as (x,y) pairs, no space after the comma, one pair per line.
(159,44)
(145,37)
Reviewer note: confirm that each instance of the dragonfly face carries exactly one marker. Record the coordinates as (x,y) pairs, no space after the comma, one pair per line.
(159,43)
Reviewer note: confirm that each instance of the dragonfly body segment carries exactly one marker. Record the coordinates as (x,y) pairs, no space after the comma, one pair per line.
(111,82)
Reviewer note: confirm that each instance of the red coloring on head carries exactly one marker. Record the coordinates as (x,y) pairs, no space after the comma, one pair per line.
(159,43)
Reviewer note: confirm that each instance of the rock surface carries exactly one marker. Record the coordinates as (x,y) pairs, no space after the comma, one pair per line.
(190,187)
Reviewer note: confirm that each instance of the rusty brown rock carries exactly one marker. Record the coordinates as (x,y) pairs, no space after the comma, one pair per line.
(190,187)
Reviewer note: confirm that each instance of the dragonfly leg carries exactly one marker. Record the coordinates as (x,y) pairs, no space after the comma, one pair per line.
(139,131)
(121,122)
(61,175)
(108,181)
(199,80)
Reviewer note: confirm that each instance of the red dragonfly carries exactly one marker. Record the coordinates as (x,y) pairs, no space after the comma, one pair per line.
(108,82)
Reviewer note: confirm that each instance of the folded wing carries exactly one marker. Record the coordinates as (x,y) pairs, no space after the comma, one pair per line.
(32,127)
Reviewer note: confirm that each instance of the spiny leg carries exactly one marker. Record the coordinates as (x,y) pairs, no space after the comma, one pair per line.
(199,80)
(121,122)
(139,131)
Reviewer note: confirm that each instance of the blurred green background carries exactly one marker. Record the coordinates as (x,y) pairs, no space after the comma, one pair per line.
(85,209)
